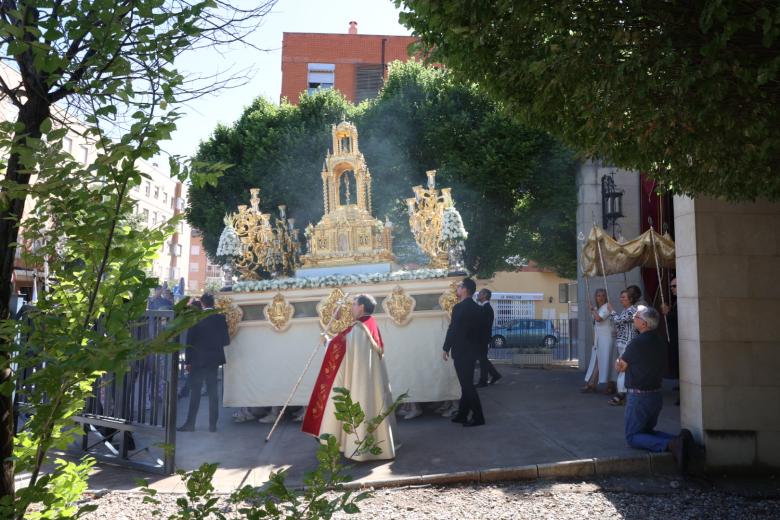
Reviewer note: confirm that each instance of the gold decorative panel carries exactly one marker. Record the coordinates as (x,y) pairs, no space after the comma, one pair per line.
(399,306)
(327,309)
(279,313)
(233,313)
(449,299)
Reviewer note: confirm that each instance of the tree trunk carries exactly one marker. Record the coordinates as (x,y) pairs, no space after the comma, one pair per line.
(31,115)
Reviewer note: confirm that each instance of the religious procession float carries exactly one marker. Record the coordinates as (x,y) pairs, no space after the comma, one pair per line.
(279,301)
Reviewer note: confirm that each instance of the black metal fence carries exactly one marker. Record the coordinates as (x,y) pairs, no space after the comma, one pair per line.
(131,419)
(556,337)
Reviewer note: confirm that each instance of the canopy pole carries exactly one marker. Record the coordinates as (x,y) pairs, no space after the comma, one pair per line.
(658,273)
(603,270)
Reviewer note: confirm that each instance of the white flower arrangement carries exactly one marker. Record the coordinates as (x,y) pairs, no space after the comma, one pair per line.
(229,244)
(452,229)
(337,280)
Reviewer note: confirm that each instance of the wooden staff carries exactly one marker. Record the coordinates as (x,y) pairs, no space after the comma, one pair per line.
(658,273)
(603,269)
(341,303)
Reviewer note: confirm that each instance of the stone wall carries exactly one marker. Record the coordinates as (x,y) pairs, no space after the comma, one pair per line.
(728,262)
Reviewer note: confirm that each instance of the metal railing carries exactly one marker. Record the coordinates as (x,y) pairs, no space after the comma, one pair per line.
(131,418)
(556,337)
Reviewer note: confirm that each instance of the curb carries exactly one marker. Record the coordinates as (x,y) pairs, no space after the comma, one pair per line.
(648,464)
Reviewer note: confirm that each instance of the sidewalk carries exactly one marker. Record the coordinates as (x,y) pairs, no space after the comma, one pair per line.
(534,417)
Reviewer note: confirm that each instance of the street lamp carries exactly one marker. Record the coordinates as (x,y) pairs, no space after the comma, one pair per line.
(611,202)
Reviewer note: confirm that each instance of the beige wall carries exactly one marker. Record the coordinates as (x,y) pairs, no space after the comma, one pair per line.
(531,282)
(728,260)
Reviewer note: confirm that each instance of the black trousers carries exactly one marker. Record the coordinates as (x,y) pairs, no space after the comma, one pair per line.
(485,367)
(196,379)
(469,399)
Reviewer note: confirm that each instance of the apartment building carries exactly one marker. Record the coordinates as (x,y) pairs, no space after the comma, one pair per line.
(158,199)
(355,64)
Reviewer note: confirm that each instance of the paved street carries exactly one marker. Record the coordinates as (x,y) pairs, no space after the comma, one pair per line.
(533,416)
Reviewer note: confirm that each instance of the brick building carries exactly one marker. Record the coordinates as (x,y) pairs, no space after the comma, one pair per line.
(353,63)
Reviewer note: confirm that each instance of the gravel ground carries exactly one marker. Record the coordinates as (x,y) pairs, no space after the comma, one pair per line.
(644,498)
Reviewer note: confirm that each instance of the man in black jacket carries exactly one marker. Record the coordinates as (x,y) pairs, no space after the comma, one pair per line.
(205,354)
(485,366)
(463,342)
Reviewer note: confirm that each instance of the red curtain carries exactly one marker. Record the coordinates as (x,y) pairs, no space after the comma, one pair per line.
(659,209)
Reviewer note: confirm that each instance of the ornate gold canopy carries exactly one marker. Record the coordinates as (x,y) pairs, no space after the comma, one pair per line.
(347,233)
(647,250)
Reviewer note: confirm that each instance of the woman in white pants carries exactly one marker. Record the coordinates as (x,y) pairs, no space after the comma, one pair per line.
(599,371)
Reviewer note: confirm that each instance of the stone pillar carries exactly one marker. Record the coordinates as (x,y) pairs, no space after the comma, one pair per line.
(588,210)
(728,263)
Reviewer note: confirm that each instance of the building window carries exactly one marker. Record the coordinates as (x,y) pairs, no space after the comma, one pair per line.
(84,154)
(194,250)
(321,76)
(154,217)
(148,189)
(156,192)
(67,144)
(146,216)
(194,268)
(165,198)
(368,81)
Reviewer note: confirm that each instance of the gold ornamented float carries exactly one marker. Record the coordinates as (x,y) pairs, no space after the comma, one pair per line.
(277,322)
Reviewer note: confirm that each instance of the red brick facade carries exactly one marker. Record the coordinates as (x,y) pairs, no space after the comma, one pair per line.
(345,51)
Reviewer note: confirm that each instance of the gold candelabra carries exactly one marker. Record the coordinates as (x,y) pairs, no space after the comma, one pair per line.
(426,215)
(271,249)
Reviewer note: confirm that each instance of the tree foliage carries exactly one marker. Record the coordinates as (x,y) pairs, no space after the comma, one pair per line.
(110,64)
(513,185)
(686,91)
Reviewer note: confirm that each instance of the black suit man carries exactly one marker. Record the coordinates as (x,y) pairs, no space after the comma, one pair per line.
(205,354)
(485,366)
(463,342)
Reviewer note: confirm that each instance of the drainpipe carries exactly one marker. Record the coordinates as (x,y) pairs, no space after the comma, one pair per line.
(384,66)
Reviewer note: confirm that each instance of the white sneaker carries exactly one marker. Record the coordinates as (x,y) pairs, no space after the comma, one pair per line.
(451,411)
(443,407)
(268,419)
(415,412)
(242,415)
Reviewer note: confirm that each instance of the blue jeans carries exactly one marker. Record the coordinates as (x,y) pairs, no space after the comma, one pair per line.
(641,417)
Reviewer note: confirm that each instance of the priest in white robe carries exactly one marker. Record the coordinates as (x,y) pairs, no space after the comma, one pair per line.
(354,361)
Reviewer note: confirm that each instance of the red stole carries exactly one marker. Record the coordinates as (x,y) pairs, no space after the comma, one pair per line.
(334,355)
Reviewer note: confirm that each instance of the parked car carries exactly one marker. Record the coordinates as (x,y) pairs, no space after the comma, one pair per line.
(526,333)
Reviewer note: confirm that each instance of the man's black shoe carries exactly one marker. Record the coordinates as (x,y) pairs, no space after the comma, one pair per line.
(459,419)
(185,428)
(472,422)
(493,381)
(481,385)
(680,446)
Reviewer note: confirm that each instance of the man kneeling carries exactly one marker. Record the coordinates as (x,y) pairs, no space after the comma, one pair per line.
(644,362)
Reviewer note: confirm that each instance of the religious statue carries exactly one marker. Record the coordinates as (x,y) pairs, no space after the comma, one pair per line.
(348,233)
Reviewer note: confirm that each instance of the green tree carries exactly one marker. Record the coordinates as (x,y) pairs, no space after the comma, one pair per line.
(111,63)
(423,119)
(279,149)
(686,91)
